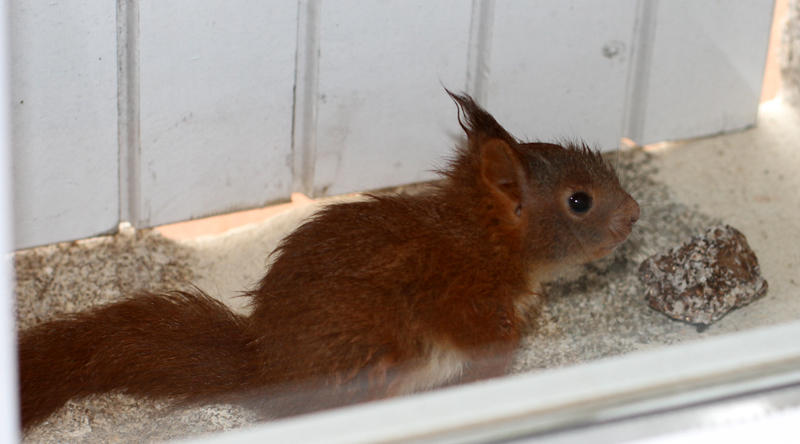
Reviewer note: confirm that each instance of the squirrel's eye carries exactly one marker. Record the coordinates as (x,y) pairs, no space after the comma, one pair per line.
(580,202)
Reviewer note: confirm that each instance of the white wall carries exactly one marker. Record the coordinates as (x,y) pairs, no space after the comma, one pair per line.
(383,116)
(216,105)
(563,73)
(706,65)
(155,111)
(64,119)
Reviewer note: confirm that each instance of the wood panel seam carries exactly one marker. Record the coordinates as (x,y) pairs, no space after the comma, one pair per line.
(128,109)
(305,106)
(479,50)
(638,77)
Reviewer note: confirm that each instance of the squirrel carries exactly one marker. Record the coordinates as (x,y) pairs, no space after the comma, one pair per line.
(365,300)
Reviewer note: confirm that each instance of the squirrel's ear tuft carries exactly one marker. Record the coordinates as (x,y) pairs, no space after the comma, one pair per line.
(502,171)
(476,122)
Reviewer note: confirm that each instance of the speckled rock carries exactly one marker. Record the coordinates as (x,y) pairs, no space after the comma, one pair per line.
(702,280)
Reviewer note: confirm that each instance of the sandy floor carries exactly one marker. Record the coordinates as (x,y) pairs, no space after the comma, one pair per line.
(746,179)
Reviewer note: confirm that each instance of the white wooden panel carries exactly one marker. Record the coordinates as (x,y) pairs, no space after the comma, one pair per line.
(216,105)
(64,104)
(383,116)
(558,68)
(706,68)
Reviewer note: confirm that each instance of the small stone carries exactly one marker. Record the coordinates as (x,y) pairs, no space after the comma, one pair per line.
(702,280)
(126,229)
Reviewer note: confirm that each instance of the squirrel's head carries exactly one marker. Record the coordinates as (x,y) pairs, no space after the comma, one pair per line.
(562,203)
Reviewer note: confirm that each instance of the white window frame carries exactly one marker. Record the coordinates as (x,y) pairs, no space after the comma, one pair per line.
(9,404)
(540,402)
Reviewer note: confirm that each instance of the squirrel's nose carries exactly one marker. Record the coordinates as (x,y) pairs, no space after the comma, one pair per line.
(634,211)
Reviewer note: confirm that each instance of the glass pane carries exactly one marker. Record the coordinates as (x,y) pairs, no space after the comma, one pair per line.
(589,287)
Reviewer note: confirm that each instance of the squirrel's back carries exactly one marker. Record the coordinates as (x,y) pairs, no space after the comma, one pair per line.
(371,292)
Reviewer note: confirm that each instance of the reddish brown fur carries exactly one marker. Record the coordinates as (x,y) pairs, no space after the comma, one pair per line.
(362,297)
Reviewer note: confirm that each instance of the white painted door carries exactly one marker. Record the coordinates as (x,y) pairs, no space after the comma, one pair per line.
(156,111)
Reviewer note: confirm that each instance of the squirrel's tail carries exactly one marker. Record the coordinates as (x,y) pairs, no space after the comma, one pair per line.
(179,344)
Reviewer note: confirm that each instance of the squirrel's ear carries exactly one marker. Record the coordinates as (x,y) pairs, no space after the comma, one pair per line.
(475,121)
(502,171)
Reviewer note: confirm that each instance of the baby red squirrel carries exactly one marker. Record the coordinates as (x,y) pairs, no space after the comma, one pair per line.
(365,300)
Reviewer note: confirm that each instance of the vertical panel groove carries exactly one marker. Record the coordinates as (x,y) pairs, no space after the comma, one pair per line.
(479,52)
(304,123)
(639,69)
(128,123)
